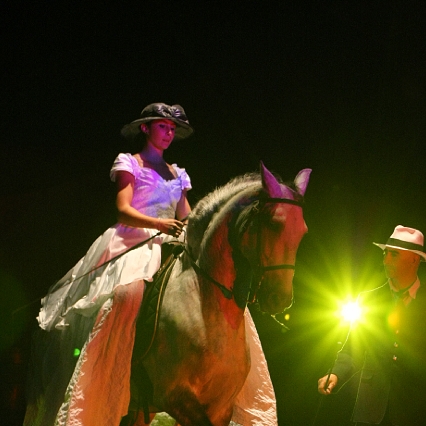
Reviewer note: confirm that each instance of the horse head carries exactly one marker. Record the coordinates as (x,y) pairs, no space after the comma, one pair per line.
(244,236)
(274,227)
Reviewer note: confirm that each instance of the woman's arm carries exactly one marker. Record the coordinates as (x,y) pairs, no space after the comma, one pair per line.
(183,208)
(128,215)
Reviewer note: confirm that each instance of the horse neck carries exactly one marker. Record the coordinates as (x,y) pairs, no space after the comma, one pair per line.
(216,259)
(209,243)
(203,214)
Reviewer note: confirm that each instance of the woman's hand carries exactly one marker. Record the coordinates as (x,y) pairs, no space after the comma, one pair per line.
(170,226)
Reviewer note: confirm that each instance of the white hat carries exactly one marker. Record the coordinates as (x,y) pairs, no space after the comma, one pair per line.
(404,238)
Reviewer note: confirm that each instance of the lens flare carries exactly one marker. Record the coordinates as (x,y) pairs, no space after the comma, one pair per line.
(351,312)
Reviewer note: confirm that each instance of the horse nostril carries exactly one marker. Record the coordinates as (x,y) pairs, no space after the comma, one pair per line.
(274,299)
(277,303)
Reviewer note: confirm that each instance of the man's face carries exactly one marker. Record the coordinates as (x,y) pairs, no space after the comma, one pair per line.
(398,263)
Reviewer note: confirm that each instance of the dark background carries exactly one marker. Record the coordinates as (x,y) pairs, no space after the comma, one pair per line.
(336,86)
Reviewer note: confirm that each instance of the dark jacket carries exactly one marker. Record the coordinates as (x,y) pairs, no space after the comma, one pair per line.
(393,360)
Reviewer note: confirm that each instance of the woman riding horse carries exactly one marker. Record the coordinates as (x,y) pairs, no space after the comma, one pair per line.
(82,353)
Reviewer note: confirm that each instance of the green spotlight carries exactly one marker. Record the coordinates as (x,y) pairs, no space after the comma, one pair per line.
(76,352)
(351,312)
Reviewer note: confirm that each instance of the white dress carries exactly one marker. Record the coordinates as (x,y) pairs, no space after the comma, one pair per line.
(85,294)
(82,353)
(91,312)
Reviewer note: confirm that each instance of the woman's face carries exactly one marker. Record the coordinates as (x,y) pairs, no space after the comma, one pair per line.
(160,133)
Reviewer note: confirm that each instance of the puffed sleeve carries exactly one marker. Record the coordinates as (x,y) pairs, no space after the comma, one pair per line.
(123,163)
(184,177)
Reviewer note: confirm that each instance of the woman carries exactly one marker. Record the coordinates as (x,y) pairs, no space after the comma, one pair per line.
(91,312)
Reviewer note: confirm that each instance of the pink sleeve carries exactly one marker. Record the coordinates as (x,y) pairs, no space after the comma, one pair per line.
(184,177)
(123,163)
(186,180)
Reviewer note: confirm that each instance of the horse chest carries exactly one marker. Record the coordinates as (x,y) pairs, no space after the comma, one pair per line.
(196,352)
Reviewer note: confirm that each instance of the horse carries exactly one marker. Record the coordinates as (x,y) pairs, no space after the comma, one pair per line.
(241,246)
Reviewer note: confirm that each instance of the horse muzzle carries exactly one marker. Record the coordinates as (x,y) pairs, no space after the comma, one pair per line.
(274,304)
(273,297)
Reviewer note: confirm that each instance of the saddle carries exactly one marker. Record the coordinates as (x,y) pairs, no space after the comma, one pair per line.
(153,297)
(147,322)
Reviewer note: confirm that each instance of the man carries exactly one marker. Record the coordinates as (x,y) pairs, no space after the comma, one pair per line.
(390,345)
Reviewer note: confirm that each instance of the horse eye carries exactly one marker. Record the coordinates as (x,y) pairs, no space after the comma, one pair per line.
(274,225)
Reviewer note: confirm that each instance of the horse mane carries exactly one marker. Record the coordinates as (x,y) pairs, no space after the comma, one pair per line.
(203,214)
(206,208)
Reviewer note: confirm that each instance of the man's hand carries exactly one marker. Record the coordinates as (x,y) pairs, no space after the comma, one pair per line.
(327,383)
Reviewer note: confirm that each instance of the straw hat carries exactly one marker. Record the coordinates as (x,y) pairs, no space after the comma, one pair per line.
(404,238)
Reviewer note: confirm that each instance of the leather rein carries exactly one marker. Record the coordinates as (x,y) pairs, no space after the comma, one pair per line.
(259,269)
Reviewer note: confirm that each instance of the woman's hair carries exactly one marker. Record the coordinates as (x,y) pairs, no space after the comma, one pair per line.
(136,141)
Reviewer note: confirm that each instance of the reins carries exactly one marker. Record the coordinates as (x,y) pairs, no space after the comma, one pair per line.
(126,251)
(102,264)
(119,255)
(260,269)
(228,293)
(96,268)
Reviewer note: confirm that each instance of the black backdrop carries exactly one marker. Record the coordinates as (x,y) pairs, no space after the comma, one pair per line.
(336,86)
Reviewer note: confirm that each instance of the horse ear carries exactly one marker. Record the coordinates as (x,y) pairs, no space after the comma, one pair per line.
(301,181)
(270,183)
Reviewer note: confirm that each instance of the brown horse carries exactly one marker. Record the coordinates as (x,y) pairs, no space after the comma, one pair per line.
(242,241)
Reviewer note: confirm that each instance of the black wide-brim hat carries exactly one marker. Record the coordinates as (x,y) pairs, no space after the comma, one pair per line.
(160,111)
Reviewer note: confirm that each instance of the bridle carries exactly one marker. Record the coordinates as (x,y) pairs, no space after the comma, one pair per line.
(259,269)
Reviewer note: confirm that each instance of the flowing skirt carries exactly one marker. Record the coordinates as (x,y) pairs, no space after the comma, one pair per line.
(109,262)
(256,404)
(81,355)
(81,358)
